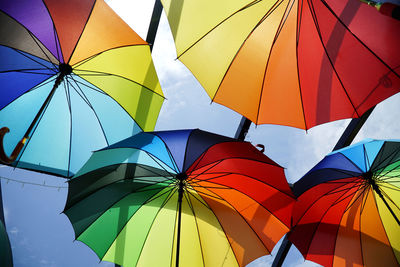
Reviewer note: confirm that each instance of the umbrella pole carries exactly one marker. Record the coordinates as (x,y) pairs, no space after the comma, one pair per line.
(65,69)
(178,237)
(243,128)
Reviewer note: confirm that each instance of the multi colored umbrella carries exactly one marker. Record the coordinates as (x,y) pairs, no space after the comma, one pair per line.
(184,197)
(74,78)
(348,207)
(299,63)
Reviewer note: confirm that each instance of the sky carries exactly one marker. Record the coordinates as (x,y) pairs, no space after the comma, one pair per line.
(42,236)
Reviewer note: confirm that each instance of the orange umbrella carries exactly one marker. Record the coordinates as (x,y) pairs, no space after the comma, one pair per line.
(290,62)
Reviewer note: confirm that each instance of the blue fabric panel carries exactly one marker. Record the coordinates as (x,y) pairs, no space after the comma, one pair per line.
(116,123)
(176,142)
(372,149)
(356,154)
(19,72)
(151,144)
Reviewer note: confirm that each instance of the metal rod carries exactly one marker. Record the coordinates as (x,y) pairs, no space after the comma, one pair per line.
(154,22)
(377,190)
(243,128)
(178,238)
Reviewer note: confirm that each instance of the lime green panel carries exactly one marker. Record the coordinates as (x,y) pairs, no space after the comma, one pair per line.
(161,237)
(392,228)
(101,234)
(126,248)
(214,243)
(127,74)
(190,253)
(218,48)
(190,20)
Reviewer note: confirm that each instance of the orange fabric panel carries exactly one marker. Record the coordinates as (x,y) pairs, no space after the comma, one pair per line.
(105,30)
(269,229)
(244,242)
(348,249)
(373,238)
(69,17)
(281,100)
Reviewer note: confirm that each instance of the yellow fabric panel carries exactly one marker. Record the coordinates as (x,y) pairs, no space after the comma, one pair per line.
(190,253)
(392,228)
(241,88)
(373,237)
(348,245)
(157,250)
(281,99)
(211,56)
(215,246)
(104,30)
(118,74)
(190,20)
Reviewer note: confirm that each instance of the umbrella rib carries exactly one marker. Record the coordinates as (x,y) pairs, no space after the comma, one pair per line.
(318,223)
(360,193)
(104,74)
(197,226)
(248,224)
(390,199)
(316,24)
(68,97)
(25,54)
(104,51)
(40,47)
(370,50)
(281,23)
(29,71)
(156,161)
(56,41)
(87,101)
(218,24)
(389,158)
(234,189)
(127,220)
(250,177)
(83,30)
(315,201)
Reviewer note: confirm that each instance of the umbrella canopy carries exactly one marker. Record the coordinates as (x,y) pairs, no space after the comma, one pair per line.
(184,197)
(348,207)
(74,78)
(299,63)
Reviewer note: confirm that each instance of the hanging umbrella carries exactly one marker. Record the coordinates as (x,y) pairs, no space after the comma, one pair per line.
(184,197)
(299,63)
(348,207)
(74,78)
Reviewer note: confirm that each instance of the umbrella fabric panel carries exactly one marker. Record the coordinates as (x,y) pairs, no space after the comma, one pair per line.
(13,34)
(70,19)
(110,235)
(244,176)
(387,158)
(160,238)
(252,213)
(19,73)
(103,34)
(34,16)
(111,157)
(129,84)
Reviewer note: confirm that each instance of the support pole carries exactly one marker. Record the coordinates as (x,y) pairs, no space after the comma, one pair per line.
(243,129)
(178,237)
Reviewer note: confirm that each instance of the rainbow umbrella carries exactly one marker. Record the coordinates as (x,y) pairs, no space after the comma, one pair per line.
(74,78)
(299,63)
(348,207)
(184,197)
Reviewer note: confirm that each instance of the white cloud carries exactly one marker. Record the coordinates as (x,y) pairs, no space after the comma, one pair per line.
(14,230)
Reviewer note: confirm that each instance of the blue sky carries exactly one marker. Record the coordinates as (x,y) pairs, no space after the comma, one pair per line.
(42,236)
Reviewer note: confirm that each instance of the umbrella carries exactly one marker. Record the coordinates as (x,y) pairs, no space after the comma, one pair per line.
(348,207)
(299,63)
(183,197)
(74,78)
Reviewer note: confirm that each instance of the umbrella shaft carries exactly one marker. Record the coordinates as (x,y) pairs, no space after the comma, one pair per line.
(178,238)
(58,81)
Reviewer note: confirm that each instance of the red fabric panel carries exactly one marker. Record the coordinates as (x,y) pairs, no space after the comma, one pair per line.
(227,150)
(317,215)
(70,17)
(258,180)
